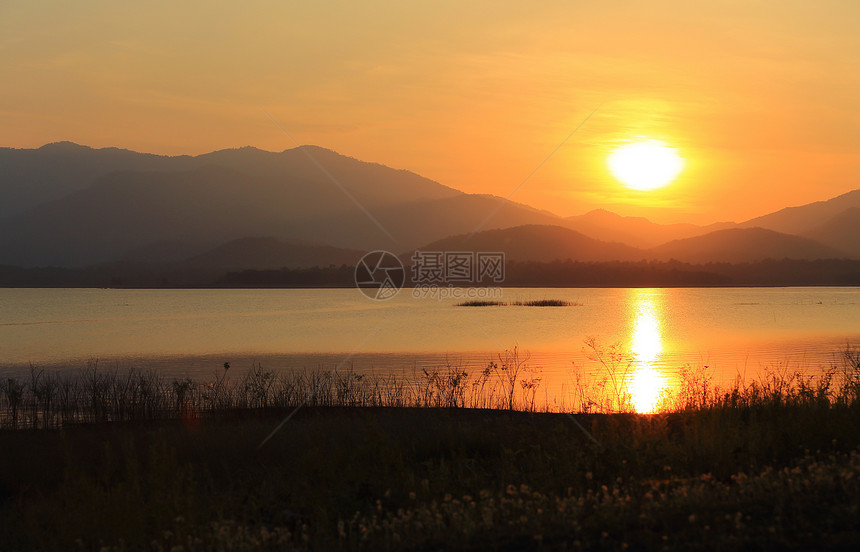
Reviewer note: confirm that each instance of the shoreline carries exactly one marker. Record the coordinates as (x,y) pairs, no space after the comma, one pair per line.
(568,273)
(53,399)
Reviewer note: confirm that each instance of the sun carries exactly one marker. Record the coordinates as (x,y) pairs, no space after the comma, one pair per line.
(645,165)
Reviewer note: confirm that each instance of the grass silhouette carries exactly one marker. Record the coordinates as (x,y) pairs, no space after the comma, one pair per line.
(447,461)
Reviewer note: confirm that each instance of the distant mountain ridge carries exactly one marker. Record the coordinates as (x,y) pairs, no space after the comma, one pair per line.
(842,232)
(538,243)
(69,205)
(742,245)
(833,222)
(805,218)
(555,243)
(272,253)
(60,168)
(635,231)
(206,199)
(230,194)
(29,177)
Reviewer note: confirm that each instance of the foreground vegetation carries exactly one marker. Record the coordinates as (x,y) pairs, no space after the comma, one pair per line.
(774,463)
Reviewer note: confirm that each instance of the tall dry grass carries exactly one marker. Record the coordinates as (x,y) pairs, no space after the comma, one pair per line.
(95,394)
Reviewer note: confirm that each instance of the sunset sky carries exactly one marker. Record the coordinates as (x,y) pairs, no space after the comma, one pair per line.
(761,99)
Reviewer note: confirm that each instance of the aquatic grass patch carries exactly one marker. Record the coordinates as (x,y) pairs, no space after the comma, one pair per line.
(546,303)
(520,303)
(479,303)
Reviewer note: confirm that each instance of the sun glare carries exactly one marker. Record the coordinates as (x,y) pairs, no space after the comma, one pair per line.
(646,343)
(647,382)
(646,388)
(645,165)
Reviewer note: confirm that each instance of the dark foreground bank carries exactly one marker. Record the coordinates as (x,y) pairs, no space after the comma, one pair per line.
(771,475)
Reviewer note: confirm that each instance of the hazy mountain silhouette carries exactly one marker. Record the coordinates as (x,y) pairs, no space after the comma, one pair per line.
(160,252)
(70,205)
(272,253)
(416,223)
(636,231)
(372,184)
(240,193)
(805,218)
(736,245)
(538,243)
(29,177)
(841,232)
(124,211)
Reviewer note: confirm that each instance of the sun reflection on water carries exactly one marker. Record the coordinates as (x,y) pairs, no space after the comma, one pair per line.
(647,382)
(646,341)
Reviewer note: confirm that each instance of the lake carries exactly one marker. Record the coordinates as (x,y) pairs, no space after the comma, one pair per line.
(731,331)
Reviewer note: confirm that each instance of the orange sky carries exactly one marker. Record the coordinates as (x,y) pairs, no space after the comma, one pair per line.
(761,98)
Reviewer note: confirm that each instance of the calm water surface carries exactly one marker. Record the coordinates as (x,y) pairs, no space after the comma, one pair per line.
(732,331)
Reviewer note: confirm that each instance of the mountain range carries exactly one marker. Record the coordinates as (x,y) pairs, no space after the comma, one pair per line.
(71,206)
